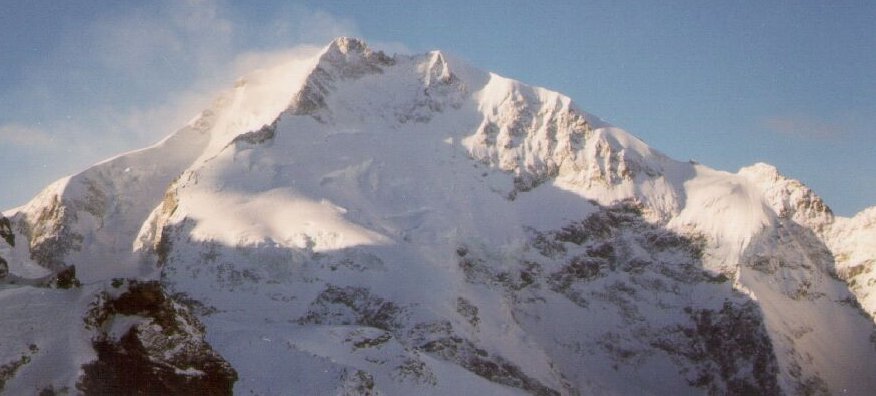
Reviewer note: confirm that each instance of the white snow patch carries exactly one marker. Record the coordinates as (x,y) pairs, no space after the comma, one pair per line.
(278,215)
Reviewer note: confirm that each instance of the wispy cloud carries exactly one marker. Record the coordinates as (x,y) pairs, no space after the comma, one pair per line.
(131,76)
(805,127)
(139,72)
(23,136)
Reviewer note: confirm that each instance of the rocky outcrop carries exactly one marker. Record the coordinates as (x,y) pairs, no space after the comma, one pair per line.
(149,343)
(8,236)
(51,234)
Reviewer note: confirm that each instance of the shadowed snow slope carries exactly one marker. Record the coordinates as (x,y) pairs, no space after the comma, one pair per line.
(356,223)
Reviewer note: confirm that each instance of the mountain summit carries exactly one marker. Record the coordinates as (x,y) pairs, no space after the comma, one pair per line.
(351,222)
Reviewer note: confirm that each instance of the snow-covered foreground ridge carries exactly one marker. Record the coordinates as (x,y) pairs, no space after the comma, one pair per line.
(356,223)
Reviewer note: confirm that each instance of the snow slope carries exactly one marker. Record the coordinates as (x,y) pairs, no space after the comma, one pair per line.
(355,223)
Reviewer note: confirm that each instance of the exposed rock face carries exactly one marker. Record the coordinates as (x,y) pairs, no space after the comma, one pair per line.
(7,235)
(616,260)
(51,234)
(148,343)
(6,231)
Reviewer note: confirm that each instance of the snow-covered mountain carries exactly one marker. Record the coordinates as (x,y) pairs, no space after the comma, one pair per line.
(357,223)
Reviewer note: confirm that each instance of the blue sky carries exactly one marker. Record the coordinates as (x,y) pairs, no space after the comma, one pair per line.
(791,83)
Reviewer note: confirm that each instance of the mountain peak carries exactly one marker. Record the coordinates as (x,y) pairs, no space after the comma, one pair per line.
(762,171)
(789,198)
(353,56)
(346,44)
